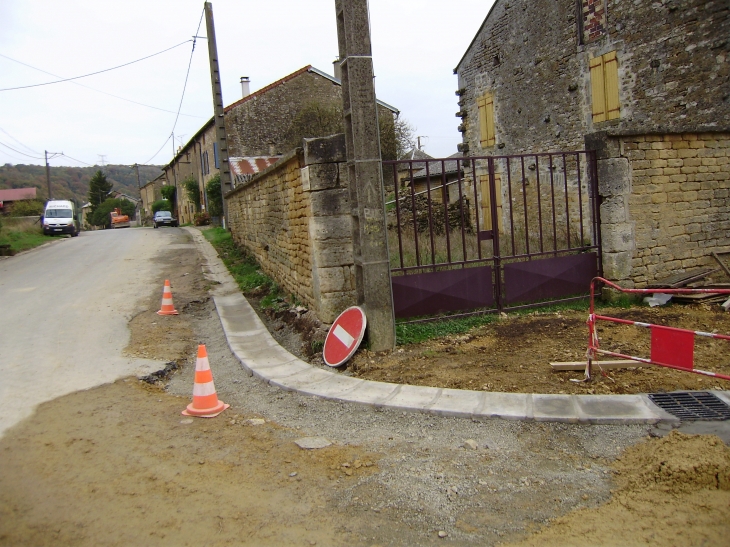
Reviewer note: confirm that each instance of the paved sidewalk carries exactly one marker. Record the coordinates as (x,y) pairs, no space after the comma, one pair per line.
(262,356)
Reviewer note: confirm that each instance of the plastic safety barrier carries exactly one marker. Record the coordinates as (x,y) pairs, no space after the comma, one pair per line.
(671,347)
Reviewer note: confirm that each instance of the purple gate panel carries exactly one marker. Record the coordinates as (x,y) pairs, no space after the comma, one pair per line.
(438,292)
(549,278)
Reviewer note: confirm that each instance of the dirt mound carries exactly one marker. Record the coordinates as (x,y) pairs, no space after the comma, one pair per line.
(671,491)
(678,463)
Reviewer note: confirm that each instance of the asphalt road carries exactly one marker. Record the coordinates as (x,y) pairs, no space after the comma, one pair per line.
(64,309)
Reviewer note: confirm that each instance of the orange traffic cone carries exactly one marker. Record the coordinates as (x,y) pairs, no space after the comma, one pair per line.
(205,400)
(167,306)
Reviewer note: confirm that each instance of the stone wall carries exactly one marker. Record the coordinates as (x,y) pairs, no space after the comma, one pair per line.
(294,218)
(258,125)
(666,203)
(532,55)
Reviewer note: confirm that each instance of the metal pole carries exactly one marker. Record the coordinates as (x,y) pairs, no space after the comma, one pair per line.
(48,176)
(218,110)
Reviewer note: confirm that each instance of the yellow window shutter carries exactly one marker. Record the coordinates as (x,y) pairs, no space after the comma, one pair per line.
(482,122)
(610,75)
(486,202)
(489,109)
(498,191)
(598,96)
(486,209)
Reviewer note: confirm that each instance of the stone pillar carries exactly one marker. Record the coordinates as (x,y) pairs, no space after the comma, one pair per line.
(324,176)
(618,239)
(367,198)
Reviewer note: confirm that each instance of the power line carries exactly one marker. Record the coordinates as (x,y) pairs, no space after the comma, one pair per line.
(92,73)
(19,152)
(185,85)
(20,143)
(99,90)
(69,157)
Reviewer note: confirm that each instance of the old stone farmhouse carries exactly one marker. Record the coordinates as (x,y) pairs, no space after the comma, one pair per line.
(260,127)
(646,85)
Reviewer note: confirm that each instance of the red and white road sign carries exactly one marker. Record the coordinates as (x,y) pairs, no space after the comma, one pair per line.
(344,336)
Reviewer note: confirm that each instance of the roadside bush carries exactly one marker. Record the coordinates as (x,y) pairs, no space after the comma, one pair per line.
(201,219)
(161,205)
(192,190)
(27,208)
(215,197)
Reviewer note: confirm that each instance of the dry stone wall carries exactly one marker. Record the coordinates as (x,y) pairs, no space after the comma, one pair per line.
(665,203)
(294,218)
(681,191)
(269,218)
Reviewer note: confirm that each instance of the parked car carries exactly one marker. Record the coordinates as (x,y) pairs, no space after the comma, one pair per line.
(164,218)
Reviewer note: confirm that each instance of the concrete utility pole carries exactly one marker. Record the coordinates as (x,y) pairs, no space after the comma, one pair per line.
(136,169)
(218,111)
(48,171)
(367,197)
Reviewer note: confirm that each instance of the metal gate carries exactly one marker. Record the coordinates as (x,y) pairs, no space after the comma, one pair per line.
(480,234)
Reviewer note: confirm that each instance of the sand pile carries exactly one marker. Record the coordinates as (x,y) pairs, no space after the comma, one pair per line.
(670,491)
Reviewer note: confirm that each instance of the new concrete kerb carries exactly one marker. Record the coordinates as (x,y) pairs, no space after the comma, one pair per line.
(264,358)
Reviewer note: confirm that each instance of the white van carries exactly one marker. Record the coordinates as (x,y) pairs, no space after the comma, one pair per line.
(60,218)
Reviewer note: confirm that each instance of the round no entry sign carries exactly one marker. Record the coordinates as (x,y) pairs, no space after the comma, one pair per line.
(344,336)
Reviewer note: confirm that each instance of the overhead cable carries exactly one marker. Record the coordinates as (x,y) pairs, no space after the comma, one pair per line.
(185,85)
(69,157)
(20,143)
(91,73)
(19,152)
(99,90)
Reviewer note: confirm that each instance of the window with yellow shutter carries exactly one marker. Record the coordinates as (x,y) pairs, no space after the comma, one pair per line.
(486,204)
(604,87)
(485,103)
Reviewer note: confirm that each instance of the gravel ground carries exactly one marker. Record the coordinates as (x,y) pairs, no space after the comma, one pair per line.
(520,474)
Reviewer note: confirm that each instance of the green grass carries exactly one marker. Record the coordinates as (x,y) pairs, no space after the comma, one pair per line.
(242,266)
(412,333)
(22,240)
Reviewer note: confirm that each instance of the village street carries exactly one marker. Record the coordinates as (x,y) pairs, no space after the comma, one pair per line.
(117,464)
(65,309)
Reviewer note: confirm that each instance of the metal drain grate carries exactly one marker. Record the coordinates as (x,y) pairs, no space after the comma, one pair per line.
(696,405)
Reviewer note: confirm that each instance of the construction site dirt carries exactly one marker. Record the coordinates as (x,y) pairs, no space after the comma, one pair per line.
(119,464)
(514,353)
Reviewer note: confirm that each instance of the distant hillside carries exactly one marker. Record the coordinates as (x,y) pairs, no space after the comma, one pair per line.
(73,182)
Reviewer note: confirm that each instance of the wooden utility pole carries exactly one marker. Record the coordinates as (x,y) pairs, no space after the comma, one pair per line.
(218,110)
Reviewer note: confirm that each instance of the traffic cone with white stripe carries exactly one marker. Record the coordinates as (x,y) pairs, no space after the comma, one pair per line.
(205,400)
(167,307)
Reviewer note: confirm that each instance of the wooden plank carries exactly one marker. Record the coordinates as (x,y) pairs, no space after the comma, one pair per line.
(696,297)
(581,365)
(721,263)
(678,280)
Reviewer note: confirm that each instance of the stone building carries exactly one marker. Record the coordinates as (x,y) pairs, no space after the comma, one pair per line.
(259,127)
(646,85)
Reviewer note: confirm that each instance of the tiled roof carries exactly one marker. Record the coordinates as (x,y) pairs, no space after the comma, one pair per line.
(269,87)
(243,169)
(434,167)
(416,154)
(16,194)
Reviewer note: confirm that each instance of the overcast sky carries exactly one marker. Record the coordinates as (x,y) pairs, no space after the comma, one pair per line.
(416,45)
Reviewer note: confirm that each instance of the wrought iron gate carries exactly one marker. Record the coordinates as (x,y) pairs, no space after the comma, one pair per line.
(480,234)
